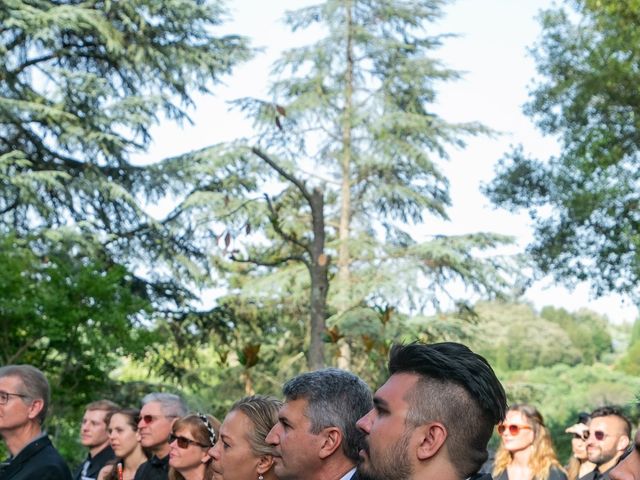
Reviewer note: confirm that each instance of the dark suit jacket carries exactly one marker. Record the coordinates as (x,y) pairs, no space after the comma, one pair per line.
(96,463)
(39,460)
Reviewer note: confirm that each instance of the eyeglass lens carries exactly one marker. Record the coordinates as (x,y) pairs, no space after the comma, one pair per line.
(182,441)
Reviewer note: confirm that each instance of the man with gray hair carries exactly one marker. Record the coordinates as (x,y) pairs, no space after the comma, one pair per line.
(24,400)
(159,411)
(316,435)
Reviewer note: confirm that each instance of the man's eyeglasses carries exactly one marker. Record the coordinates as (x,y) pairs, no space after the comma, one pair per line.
(513,428)
(184,442)
(152,418)
(598,434)
(4,397)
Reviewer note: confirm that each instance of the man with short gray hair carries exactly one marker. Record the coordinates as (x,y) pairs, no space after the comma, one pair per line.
(316,435)
(159,411)
(24,400)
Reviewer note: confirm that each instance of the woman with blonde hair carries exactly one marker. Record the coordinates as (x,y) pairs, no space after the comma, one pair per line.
(242,453)
(526,451)
(191,438)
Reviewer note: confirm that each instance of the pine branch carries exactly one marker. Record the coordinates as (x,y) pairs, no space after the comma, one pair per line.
(273,219)
(288,176)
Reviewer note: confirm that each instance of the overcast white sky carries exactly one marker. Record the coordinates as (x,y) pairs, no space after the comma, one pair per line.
(491,49)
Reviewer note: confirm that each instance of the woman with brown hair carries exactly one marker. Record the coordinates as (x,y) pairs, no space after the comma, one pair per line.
(122,427)
(526,451)
(191,437)
(242,453)
(579,465)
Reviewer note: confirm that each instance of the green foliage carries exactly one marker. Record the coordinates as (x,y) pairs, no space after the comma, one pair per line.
(583,202)
(514,337)
(588,331)
(81,84)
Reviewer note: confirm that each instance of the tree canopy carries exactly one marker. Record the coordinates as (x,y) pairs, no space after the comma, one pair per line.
(584,201)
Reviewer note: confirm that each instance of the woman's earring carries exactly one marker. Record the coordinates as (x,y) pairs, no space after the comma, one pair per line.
(260,477)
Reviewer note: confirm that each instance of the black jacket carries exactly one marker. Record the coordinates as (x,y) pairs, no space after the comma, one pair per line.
(154,469)
(39,460)
(95,464)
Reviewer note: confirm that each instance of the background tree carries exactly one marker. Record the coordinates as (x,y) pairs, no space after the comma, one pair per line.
(80,86)
(584,201)
(349,116)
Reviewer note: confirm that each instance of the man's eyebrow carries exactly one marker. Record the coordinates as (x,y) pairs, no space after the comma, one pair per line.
(379,402)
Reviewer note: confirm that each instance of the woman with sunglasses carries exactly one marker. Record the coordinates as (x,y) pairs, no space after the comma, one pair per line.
(123,438)
(579,465)
(526,451)
(191,437)
(242,453)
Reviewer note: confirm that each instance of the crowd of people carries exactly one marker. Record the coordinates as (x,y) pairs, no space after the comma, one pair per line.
(432,419)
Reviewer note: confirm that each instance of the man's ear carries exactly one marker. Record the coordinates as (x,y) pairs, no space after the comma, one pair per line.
(331,441)
(35,408)
(623,443)
(432,437)
(264,464)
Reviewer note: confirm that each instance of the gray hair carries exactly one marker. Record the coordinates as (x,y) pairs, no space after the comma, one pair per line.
(34,385)
(335,398)
(172,405)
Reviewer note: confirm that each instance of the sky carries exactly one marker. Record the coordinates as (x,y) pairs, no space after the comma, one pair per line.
(490,48)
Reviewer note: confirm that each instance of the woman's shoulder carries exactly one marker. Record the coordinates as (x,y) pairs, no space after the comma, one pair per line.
(557,474)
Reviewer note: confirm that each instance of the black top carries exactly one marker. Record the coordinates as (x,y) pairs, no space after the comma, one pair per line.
(596,475)
(95,464)
(38,460)
(154,469)
(554,474)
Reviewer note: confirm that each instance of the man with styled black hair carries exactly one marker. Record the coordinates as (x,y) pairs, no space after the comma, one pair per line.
(609,438)
(434,416)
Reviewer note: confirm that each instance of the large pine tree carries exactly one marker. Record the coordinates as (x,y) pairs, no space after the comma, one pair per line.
(348,157)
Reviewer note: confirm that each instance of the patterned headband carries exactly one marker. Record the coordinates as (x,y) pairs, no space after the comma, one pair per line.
(207,423)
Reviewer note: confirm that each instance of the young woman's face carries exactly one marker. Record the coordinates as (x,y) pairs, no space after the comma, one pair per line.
(232,456)
(122,437)
(518,433)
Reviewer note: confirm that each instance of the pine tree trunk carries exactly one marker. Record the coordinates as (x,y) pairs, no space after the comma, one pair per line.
(344,257)
(319,283)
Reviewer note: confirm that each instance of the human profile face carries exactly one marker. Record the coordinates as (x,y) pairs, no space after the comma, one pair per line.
(295,447)
(122,437)
(193,457)
(579,445)
(93,430)
(154,434)
(629,468)
(613,442)
(19,409)
(523,439)
(388,438)
(233,458)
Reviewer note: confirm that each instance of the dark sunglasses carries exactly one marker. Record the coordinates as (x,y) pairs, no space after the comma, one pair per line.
(598,434)
(582,436)
(152,418)
(513,429)
(184,442)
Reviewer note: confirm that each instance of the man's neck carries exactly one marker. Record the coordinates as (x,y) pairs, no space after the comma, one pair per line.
(18,438)
(161,451)
(333,470)
(93,451)
(610,464)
